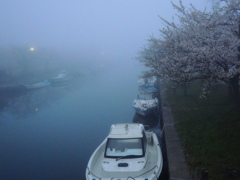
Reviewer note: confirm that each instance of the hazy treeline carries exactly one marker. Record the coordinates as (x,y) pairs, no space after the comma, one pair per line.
(21,61)
(25,65)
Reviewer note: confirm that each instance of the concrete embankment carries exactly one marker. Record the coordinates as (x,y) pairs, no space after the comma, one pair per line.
(176,159)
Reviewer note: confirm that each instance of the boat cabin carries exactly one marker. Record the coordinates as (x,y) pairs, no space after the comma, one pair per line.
(126,141)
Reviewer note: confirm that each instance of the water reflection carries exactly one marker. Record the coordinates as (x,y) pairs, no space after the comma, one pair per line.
(20,102)
(50,133)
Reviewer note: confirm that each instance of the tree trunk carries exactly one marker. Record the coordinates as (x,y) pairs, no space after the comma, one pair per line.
(184,88)
(230,90)
(235,88)
(174,91)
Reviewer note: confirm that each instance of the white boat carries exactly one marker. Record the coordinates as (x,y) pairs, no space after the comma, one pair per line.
(151,81)
(142,81)
(148,82)
(128,153)
(148,89)
(38,85)
(145,103)
(61,77)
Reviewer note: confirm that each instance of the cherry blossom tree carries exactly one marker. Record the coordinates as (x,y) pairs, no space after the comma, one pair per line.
(202,45)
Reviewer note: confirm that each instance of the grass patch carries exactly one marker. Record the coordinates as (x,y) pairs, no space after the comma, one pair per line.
(209,130)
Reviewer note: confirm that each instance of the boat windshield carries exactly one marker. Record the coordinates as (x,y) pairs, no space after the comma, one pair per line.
(127,148)
(145,96)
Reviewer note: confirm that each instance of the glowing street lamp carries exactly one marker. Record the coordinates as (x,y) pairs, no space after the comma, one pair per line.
(32,49)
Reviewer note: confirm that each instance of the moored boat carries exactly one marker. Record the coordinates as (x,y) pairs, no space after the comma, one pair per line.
(61,77)
(129,152)
(148,89)
(145,103)
(38,85)
(152,81)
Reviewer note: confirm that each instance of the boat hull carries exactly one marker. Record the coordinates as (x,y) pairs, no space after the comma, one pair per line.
(61,80)
(151,170)
(38,85)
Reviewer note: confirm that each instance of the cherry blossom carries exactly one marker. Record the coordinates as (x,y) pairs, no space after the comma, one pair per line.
(201,45)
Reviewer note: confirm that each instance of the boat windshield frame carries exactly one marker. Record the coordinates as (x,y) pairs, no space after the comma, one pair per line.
(124,152)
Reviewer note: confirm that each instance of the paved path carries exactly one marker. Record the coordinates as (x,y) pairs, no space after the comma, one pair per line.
(176,160)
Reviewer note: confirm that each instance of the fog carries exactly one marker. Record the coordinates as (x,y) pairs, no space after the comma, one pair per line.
(94,30)
(49,133)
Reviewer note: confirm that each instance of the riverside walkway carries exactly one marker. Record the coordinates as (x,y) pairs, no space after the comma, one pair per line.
(176,160)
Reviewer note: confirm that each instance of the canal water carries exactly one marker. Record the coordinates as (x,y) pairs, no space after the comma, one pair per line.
(50,133)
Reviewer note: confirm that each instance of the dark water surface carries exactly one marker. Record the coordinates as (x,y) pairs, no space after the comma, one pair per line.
(50,133)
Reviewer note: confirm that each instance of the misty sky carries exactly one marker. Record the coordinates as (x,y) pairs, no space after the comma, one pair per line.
(108,27)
